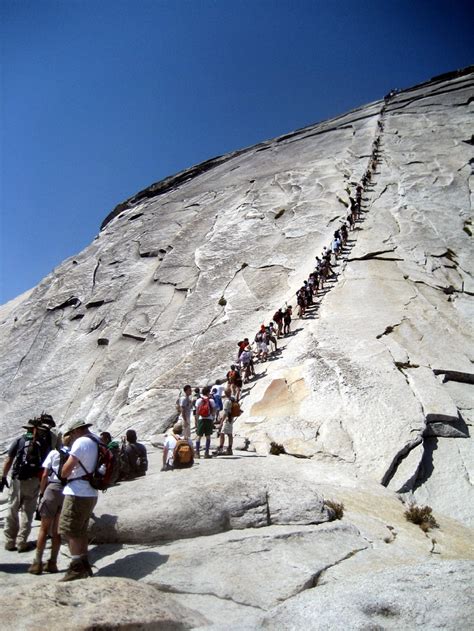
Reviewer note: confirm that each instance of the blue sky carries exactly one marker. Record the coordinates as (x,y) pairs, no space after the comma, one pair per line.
(101,98)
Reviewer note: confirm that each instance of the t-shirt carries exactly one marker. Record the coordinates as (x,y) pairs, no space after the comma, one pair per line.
(227,411)
(212,405)
(52,463)
(170,444)
(86,450)
(187,405)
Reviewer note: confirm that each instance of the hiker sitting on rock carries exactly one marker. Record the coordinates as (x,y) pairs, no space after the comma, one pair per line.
(50,504)
(133,457)
(178,450)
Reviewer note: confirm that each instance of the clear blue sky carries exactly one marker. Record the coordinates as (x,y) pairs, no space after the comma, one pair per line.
(100,98)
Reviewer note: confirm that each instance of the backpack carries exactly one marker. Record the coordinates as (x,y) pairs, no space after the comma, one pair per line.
(183,454)
(277,317)
(232,376)
(235,410)
(205,408)
(101,477)
(63,456)
(28,458)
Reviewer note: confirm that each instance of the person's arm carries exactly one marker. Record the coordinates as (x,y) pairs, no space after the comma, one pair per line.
(69,465)
(7,465)
(44,481)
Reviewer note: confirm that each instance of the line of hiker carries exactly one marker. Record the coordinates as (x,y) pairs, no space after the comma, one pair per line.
(58,478)
(215,408)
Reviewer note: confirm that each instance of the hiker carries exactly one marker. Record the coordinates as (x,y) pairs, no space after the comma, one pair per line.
(272,336)
(80,498)
(234,379)
(301,302)
(205,407)
(246,363)
(133,457)
(52,436)
(215,394)
(230,411)
(287,320)
(278,319)
(185,408)
(49,508)
(114,447)
(25,458)
(261,341)
(177,450)
(194,399)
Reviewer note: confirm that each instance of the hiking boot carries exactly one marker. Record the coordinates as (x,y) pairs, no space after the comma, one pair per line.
(75,571)
(197,455)
(228,451)
(26,546)
(51,567)
(206,455)
(88,566)
(36,568)
(10,546)
(218,452)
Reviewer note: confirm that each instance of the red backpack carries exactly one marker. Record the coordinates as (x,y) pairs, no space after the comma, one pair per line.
(204,409)
(102,476)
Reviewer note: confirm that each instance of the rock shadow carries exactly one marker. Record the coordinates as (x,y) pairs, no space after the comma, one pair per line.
(137,565)
(426,468)
(14,568)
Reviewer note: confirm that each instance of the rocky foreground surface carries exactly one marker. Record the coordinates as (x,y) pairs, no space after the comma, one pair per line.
(371,396)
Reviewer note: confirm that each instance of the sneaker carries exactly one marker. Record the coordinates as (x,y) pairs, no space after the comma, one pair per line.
(197,455)
(77,570)
(229,451)
(36,568)
(207,456)
(26,546)
(10,546)
(51,567)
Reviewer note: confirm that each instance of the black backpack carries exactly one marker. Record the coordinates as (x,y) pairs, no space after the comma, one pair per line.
(28,458)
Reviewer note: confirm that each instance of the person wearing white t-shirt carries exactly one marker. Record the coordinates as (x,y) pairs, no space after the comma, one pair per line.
(80,498)
(49,509)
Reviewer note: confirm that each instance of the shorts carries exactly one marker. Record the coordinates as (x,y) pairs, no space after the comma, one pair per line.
(205,427)
(227,427)
(52,501)
(75,515)
(263,347)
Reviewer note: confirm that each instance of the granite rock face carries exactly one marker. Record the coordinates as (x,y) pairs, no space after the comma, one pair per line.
(371,395)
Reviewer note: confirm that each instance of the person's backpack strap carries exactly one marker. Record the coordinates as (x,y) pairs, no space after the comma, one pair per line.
(88,474)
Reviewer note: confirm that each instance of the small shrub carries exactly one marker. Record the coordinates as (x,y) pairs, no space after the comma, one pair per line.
(336,507)
(421,516)
(222,301)
(276,449)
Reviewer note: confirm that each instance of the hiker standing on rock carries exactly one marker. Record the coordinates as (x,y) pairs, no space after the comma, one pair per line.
(205,407)
(80,498)
(26,454)
(185,408)
(230,411)
(50,504)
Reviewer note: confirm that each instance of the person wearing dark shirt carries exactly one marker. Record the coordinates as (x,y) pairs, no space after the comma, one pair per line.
(134,461)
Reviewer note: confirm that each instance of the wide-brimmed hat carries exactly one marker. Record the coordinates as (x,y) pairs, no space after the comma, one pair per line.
(75,425)
(30,425)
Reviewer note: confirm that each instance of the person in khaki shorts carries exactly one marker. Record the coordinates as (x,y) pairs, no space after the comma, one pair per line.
(79,498)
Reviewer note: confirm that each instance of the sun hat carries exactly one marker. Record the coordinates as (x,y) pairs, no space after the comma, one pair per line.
(76,425)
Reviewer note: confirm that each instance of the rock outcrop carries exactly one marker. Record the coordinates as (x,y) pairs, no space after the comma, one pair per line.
(370,396)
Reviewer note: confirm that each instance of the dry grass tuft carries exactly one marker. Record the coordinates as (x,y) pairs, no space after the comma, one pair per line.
(336,507)
(422,516)
(276,449)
